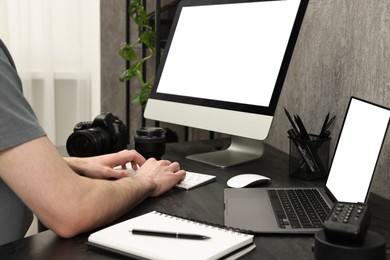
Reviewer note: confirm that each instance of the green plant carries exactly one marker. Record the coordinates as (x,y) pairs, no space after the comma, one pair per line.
(147,38)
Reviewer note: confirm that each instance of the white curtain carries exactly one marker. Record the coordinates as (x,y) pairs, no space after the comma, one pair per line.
(56,48)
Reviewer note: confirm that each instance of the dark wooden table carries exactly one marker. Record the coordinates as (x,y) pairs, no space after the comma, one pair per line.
(204,203)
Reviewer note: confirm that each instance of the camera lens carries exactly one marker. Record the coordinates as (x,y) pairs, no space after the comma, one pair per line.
(88,142)
(150,142)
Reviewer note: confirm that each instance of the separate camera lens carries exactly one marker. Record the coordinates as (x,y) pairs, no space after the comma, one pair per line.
(88,142)
(150,142)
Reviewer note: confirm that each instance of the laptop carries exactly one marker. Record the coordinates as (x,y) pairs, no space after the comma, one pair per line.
(349,180)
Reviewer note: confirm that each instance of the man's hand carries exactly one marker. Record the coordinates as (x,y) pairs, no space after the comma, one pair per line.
(162,174)
(101,167)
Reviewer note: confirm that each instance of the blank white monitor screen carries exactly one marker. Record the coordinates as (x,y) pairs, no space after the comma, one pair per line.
(234,53)
(224,65)
(357,152)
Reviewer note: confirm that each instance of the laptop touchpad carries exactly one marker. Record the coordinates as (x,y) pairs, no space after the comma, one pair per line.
(245,207)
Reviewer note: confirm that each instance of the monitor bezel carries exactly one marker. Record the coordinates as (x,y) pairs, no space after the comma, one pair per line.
(247,108)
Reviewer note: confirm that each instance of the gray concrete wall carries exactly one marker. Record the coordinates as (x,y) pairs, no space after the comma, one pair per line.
(342,50)
(113,35)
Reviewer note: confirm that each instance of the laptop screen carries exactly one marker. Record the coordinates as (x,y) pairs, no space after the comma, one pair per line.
(357,151)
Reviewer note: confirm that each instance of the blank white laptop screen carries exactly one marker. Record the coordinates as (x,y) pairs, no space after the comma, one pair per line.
(357,151)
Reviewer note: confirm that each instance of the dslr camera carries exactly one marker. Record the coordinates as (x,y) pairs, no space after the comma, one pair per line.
(105,134)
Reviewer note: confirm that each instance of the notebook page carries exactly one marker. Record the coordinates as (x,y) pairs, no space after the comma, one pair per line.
(119,238)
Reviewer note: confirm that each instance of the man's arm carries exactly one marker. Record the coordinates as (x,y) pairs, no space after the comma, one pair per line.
(70,204)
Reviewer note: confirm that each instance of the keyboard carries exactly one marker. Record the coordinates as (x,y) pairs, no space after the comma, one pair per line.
(299,208)
(193,180)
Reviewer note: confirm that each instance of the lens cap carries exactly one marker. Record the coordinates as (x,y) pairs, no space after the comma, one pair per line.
(151,132)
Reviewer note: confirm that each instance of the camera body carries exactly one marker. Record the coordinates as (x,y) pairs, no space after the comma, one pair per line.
(150,142)
(105,134)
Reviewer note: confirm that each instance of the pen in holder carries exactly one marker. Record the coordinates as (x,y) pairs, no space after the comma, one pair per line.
(309,158)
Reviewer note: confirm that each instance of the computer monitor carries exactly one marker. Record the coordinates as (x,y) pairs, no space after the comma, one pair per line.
(223,69)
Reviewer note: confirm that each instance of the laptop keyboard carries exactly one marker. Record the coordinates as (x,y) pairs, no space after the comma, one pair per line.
(299,208)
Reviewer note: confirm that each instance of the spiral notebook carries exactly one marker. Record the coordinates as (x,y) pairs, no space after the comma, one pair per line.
(224,243)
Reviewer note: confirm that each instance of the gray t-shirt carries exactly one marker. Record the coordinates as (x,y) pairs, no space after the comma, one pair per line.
(18,124)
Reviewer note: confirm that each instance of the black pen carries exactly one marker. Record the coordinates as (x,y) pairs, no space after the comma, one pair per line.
(323,130)
(303,133)
(302,151)
(291,122)
(168,234)
(330,123)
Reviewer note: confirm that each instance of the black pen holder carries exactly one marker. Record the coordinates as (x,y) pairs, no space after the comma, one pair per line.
(309,159)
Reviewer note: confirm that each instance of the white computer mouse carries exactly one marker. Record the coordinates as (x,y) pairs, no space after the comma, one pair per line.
(247,180)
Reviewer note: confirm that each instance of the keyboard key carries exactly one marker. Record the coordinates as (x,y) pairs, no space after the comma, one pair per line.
(194,179)
(303,208)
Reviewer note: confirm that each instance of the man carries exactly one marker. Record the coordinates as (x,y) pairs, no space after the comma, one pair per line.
(68,195)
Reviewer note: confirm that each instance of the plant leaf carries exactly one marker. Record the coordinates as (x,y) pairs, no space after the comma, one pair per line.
(149,39)
(142,95)
(127,52)
(131,72)
(135,99)
(137,13)
(145,93)
(124,76)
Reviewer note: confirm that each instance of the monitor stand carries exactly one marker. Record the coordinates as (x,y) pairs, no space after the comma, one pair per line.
(241,150)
